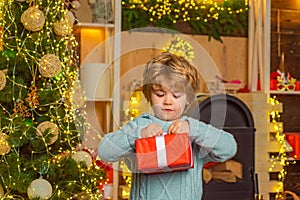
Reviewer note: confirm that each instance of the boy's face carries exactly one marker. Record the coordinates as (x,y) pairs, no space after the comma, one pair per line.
(167,104)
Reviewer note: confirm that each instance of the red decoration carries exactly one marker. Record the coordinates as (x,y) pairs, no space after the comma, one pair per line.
(109,173)
(274,75)
(273,80)
(297,85)
(273,84)
(294,141)
(245,89)
(210,164)
(170,152)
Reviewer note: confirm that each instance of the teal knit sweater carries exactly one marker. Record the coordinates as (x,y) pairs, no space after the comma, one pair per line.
(208,143)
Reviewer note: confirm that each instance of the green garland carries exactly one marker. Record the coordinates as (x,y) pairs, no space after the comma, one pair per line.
(229,18)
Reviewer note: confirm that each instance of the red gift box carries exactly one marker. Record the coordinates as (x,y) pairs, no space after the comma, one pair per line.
(165,153)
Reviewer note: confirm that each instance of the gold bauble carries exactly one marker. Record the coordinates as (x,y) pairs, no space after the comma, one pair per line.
(49,65)
(1,192)
(75,96)
(1,36)
(2,80)
(39,188)
(42,127)
(83,156)
(33,19)
(4,146)
(65,25)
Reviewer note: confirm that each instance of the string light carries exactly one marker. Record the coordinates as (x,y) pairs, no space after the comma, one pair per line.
(180,47)
(281,158)
(185,10)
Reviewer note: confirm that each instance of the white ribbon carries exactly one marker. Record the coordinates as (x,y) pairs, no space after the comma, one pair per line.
(161,151)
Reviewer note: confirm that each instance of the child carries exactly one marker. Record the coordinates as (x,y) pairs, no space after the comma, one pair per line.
(169,84)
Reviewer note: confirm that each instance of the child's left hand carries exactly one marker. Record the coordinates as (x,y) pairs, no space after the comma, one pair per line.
(180,126)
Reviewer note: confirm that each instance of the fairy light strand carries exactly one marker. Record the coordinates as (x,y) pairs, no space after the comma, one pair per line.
(185,10)
(281,158)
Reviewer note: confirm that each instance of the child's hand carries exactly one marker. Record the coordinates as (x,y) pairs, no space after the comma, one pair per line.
(180,126)
(151,130)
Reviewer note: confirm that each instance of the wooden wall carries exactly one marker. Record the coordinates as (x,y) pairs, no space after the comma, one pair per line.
(285,38)
(230,57)
(285,35)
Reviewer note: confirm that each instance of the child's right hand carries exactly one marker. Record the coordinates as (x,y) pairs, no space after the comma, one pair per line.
(151,130)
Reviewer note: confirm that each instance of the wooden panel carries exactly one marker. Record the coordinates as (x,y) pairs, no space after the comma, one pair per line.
(136,58)
(263,167)
(286,4)
(230,56)
(91,38)
(292,181)
(285,37)
(290,45)
(97,112)
(290,117)
(270,186)
(287,20)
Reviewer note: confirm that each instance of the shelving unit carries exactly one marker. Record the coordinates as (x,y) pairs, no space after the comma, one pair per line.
(96,69)
(270,36)
(99,50)
(284,32)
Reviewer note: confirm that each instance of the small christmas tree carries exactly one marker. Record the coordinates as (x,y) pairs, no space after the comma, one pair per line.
(42,122)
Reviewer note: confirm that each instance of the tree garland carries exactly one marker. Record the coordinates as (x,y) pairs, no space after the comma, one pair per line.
(207,17)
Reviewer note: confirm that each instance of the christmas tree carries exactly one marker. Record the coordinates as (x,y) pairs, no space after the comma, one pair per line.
(42,116)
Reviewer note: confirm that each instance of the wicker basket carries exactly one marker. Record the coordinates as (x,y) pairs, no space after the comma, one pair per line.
(294,195)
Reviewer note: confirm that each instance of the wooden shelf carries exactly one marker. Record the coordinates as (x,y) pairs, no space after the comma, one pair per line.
(94,25)
(101,100)
(284,92)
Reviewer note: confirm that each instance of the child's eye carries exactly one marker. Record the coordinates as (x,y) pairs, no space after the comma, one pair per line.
(159,94)
(178,95)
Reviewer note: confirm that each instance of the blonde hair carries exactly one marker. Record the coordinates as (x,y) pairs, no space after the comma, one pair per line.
(174,70)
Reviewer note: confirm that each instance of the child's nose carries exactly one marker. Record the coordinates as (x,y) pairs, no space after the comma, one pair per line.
(168,99)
